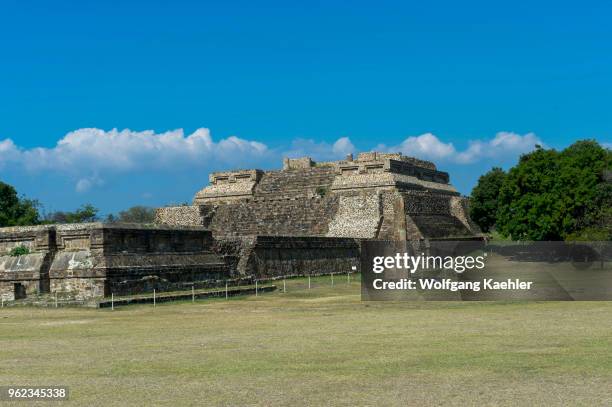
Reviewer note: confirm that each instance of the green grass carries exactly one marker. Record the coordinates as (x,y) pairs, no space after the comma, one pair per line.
(315,347)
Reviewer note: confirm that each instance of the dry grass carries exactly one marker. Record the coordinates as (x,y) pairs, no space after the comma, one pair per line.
(317,347)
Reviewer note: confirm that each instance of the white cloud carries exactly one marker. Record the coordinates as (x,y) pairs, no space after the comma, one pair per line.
(8,152)
(343,146)
(95,151)
(91,156)
(85,184)
(607,145)
(424,146)
(320,151)
(503,145)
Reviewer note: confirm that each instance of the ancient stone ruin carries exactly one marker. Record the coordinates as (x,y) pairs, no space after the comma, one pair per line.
(94,260)
(307,218)
(376,196)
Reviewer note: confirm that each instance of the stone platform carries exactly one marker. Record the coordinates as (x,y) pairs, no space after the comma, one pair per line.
(92,260)
(376,196)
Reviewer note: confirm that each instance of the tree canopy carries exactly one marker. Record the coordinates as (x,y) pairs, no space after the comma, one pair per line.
(15,210)
(135,214)
(483,208)
(549,195)
(85,214)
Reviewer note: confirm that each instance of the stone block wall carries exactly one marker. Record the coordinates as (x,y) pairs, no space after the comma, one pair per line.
(25,275)
(179,216)
(87,261)
(28,274)
(297,163)
(276,256)
(358,216)
(34,238)
(306,182)
(299,216)
(437,215)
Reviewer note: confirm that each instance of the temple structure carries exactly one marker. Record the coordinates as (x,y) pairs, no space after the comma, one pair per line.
(376,196)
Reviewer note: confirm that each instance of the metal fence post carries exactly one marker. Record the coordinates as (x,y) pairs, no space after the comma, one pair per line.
(112,301)
(154,299)
(192,293)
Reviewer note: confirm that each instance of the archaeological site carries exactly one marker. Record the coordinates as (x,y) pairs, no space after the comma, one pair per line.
(307,218)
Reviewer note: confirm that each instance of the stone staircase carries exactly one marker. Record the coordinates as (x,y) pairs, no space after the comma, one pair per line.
(295,182)
(299,216)
(440,226)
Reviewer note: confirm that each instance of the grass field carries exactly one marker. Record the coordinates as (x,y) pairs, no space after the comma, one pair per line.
(315,347)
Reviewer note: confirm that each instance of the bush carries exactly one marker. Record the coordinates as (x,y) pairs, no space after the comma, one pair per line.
(19,251)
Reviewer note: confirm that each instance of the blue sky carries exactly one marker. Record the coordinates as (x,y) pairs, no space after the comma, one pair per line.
(469,85)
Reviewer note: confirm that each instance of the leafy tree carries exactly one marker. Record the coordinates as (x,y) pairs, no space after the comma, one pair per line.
(596,224)
(550,195)
(16,211)
(135,214)
(484,199)
(85,214)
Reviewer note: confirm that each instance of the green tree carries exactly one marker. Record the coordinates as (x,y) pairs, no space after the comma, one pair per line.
(550,195)
(85,214)
(135,214)
(484,199)
(16,211)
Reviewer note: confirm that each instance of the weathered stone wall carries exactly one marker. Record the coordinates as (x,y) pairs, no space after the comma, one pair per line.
(299,216)
(297,163)
(358,216)
(275,256)
(25,273)
(78,288)
(131,259)
(392,224)
(301,182)
(87,261)
(8,291)
(460,208)
(229,186)
(34,238)
(179,216)
(385,196)
(436,215)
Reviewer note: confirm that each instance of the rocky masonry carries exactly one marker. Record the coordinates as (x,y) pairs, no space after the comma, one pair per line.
(379,196)
(93,260)
(87,262)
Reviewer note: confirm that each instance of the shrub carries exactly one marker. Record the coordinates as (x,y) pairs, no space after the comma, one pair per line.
(19,251)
